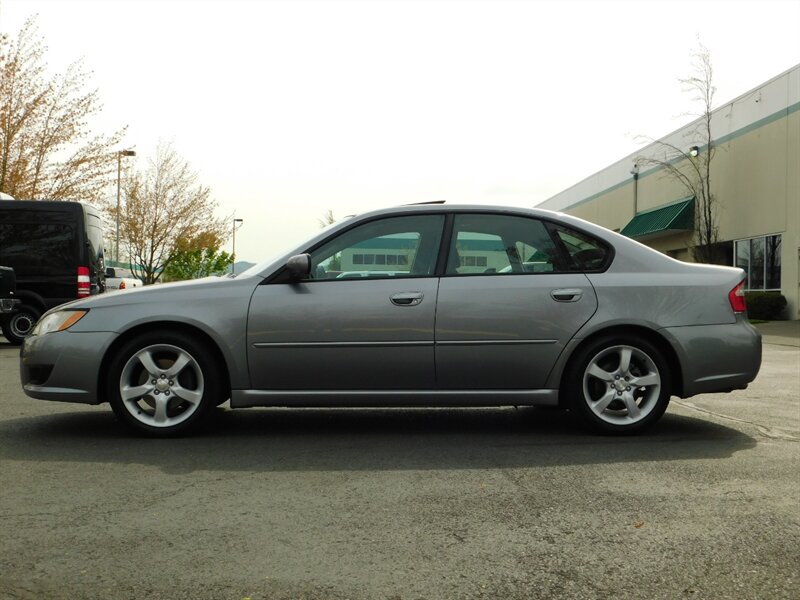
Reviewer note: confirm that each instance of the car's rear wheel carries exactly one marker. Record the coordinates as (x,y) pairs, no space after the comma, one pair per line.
(19,324)
(163,383)
(619,385)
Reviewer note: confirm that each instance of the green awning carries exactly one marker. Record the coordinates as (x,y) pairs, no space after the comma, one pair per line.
(674,218)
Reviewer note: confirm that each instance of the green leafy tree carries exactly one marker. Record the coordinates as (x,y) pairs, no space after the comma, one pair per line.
(194,263)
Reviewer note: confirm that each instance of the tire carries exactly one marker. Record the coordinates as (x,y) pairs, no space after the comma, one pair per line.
(602,390)
(19,324)
(153,396)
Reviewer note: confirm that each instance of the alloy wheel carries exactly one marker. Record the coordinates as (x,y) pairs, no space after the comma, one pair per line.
(621,385)
(161,385)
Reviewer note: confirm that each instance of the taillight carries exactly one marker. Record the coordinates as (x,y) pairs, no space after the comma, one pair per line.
(736,298)
(122,285)
(84,285)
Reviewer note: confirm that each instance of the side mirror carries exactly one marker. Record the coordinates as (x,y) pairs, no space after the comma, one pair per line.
(299,266)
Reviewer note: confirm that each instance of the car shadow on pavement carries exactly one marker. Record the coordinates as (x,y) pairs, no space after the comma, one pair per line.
(262,440)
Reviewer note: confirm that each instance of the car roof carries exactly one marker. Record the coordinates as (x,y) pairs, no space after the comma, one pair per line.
(442,208)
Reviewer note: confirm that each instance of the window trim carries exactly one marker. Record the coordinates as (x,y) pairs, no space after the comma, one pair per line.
(281,275)
(550,226)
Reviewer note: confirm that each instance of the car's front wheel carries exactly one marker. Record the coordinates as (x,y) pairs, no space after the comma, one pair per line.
(163,383)
(619,385)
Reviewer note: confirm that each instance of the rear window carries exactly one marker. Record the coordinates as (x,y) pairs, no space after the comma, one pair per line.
(38,248)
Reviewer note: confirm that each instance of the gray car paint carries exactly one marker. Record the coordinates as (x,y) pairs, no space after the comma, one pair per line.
(685,304)
(510,332)
(312,347)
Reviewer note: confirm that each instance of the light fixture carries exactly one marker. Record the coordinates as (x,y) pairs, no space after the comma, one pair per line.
(694,151)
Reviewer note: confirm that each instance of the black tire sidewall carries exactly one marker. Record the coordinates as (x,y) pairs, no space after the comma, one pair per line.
(22,310)
(198,350)
(574,384)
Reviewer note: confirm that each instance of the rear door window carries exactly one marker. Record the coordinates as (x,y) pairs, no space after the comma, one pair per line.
(501,244)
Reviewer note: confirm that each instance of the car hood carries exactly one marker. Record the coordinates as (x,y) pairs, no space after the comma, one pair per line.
(174,291)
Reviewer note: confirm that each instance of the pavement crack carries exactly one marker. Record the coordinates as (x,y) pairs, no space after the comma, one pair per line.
(769,432)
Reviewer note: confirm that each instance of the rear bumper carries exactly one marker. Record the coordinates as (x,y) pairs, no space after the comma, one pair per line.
(717,358)
(7,304)
(64,366)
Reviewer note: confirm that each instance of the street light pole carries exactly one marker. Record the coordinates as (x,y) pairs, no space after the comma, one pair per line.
(635,173)
(233,264)
(120,154)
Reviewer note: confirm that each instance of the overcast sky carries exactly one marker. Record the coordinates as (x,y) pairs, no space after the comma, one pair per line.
(288,109)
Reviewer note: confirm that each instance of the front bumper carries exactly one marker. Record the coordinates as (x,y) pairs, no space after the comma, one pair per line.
(64,366)
(717,358)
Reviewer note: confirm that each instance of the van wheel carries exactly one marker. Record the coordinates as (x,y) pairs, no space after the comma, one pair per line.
(20,323)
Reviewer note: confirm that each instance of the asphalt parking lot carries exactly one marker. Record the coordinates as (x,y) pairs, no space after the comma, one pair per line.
(406,504)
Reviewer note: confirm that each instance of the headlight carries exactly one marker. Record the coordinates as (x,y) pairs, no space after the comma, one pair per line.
(58,321)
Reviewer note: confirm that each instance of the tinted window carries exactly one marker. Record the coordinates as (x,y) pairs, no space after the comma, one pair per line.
(117,272)
(38,248)
(394,247)
(586,252)
(501,244)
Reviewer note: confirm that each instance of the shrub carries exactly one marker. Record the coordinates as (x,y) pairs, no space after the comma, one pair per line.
(765,305)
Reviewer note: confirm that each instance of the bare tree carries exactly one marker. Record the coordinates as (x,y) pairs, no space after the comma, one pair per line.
(691,166)
(163,208)
(327,219)
(47,149)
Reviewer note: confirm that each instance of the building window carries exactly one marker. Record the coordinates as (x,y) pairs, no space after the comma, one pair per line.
(473,261)
(760,257)
(380,259)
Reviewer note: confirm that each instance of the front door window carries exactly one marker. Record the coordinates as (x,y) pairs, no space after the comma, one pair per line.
(386,248)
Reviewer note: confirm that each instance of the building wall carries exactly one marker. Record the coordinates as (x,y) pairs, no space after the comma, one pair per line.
(755,178)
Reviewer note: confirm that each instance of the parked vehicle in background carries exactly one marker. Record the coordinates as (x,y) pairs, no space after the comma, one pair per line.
(460,306)
(118,278)
(56,251)
(8,287)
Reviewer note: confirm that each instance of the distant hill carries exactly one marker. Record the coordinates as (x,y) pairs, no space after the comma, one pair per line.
(242,265)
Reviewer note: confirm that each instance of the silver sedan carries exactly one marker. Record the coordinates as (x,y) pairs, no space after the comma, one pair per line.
(426,305)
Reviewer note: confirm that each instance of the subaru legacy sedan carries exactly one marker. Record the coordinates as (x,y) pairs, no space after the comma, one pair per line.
(416,306)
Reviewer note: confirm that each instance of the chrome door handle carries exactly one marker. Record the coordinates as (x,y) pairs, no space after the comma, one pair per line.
(566,295)
(407,298)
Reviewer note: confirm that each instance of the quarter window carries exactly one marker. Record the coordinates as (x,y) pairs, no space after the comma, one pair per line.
(587,253)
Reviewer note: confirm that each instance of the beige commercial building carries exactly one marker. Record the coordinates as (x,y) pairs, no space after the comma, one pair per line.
(755,180)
